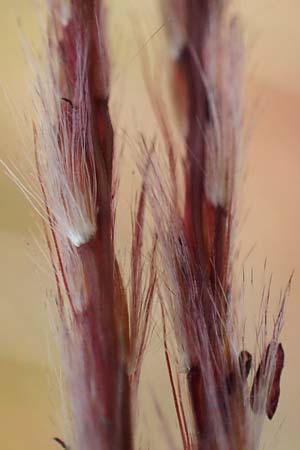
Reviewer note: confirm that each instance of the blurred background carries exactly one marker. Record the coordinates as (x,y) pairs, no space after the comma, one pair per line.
(269,212)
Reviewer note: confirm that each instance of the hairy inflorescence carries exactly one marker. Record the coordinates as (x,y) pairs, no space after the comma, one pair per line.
(104,328)
(196,235)
(221,395)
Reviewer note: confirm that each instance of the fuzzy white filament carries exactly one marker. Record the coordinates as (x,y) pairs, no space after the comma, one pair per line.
(67,156)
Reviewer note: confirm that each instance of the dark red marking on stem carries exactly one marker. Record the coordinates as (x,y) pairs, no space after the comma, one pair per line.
(245,363)
(61,443)
(67,100)
(274,391)
(196,389)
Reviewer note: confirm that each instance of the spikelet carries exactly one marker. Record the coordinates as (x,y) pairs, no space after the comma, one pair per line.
(74,145)
(72,105)
(103,326)
(196,239)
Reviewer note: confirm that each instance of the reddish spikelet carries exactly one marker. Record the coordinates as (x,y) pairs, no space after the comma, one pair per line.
(196,240)
(75,171)
(262,373)
(104,328)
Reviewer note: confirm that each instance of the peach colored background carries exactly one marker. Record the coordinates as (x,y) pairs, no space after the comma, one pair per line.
(29,400)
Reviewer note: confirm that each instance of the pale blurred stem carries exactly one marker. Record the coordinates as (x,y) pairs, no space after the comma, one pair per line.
(203,221)
(205,225)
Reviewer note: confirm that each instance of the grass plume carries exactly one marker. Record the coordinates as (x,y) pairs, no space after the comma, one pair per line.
(104,329)
(196,235)
(221,393)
